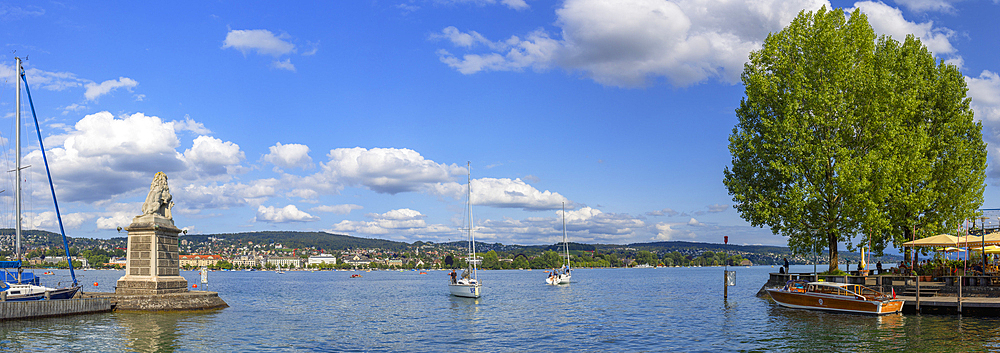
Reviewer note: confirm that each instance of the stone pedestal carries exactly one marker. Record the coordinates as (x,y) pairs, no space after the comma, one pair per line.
(153,262)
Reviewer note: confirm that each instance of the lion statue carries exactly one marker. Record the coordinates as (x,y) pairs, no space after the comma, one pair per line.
(158,201)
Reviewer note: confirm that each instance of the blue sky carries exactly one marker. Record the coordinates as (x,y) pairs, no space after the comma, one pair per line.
(358,117)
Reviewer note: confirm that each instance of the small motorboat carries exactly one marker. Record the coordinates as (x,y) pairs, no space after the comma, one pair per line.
(842,297)
(355,276)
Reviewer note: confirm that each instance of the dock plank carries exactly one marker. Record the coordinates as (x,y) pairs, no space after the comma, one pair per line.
(47,308)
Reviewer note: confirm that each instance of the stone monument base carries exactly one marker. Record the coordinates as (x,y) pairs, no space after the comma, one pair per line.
(138,285)
(188,301)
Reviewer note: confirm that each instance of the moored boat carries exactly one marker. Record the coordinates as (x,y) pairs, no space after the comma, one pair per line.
(21,286)
(842,297)
(468,285)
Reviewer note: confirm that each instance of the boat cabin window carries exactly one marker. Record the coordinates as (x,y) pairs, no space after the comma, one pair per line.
(829,290)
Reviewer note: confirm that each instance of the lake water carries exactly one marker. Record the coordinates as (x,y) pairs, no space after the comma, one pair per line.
(672,309)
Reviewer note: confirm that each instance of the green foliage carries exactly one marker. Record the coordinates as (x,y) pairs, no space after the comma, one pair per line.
(491,261)
(646,257)
(549,259)
(521,262)
(841,135)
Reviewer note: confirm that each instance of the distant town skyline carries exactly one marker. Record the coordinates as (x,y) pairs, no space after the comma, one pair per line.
(359,118)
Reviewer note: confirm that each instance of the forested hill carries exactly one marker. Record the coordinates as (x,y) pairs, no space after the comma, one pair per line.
(759,254)
(320,240)
(684,246)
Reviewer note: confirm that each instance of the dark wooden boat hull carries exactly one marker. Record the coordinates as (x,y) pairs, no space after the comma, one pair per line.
(818,301)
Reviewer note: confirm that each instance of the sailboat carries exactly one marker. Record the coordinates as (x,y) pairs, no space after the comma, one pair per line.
(25,286)
(468,285)
(564,276)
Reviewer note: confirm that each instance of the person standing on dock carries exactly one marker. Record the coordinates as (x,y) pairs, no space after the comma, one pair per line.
(786,264)
(878,267)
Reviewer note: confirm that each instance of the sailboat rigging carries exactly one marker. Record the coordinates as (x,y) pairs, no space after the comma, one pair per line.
(25,286)
(468,285)
(563,276)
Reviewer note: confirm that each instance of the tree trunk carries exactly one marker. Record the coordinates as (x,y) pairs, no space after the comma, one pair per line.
(834,256)
(907,254)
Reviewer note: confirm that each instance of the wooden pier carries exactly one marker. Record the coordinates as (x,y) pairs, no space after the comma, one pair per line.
(47,308)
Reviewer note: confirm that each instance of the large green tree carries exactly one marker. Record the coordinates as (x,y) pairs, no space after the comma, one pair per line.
(943,159)
(842,134)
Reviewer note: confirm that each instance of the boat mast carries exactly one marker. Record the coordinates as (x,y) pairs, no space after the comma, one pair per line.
(472,236)
(565,244)
(17,169)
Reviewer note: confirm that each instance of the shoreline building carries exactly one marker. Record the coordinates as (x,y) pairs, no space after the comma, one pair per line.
(322,259)
(199,260)
(285,262)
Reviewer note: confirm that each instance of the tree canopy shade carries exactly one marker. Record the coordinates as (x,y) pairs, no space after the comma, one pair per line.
(844,134)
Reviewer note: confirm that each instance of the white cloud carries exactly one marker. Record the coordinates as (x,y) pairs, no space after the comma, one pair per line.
(664,212)
(228,195)
(10,13)
(95,90)
(666,232)
(260,40)
(628,42)
(101,156)
(385,170)
(291,155)
(190,125)
(73,108)
(118,219)
(47,220)
(400,224)
(985,93)
(889,20)
(716,208)
(338,209)
(504,193)
(928,5)
(513,4)
(213,156)
(285,214)
(53,81)
(284,64)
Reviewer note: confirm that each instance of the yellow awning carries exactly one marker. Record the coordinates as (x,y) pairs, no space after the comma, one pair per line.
(937,240)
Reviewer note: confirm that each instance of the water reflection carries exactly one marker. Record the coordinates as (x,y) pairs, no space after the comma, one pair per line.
(150,332)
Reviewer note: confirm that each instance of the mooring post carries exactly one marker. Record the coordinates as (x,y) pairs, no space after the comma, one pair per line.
(725,285)
(918,293)
(3,296)
(960,280)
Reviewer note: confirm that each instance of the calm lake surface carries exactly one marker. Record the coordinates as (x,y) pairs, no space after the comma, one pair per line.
(666,309)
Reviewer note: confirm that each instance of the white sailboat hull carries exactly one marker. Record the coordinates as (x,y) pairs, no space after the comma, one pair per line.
(560,279)
(466,290)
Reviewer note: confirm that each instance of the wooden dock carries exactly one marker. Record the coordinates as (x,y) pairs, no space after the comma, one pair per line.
(972,306)
(10,310)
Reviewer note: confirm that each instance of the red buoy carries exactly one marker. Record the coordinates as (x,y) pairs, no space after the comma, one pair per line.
(194,285)
(95,284)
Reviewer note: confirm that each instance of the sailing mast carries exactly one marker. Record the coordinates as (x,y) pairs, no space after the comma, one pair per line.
(472,235)
(17,170)
(565,243)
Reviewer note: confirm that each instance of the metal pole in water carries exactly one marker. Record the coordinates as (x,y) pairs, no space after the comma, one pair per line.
(960,295)
(725,276)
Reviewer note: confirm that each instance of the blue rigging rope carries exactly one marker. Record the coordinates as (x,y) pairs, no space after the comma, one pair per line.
(69,260)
